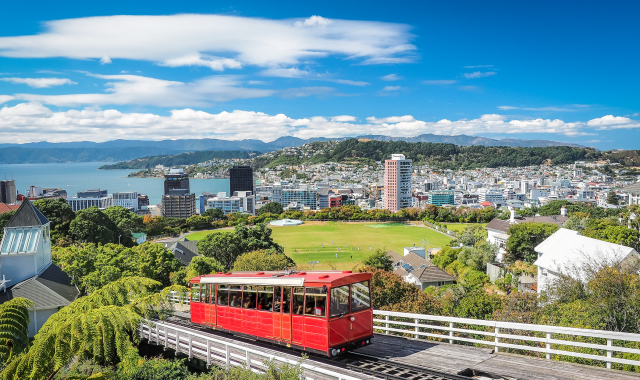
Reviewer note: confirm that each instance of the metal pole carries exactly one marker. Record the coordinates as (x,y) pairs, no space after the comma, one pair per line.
(227,357)
(609,353)
(208,353)
(417,328)
(497,340)
(451,332)
(548,346)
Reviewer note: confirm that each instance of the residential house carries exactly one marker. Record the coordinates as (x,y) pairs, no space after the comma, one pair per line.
(185,251)
(419,271)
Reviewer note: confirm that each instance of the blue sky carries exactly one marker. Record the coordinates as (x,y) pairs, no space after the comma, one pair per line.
(502,69)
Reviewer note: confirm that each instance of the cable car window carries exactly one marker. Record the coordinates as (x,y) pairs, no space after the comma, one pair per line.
(286,300)
(195,292)
(235,296)
(249,297)
(277,298)
(223,295)
(315,302)
(360,296)
(204,293)
(212,292)
(339,300)
(265,298)
(298,300)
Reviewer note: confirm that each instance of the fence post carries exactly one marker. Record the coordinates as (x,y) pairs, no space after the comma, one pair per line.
(227,357)
(451,332)
(248,359)
(166,337)
(548,346)
(190,341)
(387,324)
(417,329)
(208,353)
(609,353)
(177,342)
(497,340)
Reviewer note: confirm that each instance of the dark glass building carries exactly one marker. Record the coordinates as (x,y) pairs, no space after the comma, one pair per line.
(176,180)
(177,202)
(240,179)
(8,192)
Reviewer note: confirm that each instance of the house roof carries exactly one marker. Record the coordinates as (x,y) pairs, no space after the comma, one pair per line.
(432,273)
(50,289)
(7,208)
(419,267)
(27,215)
(566,251)
(633,188)
(185,250)
(503,225)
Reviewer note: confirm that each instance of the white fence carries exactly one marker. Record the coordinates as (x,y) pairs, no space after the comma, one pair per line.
(222,352)
(549,340)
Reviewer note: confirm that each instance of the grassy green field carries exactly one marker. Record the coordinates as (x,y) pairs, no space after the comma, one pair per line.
(305,243)
(458,227)
(201,234)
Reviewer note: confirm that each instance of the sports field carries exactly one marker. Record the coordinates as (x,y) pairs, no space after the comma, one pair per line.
(458,227)
(351,242)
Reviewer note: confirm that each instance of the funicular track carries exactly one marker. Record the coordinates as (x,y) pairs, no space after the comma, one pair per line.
(368,365)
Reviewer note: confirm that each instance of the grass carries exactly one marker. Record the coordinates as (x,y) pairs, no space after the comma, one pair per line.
(458,227)
(301,242)
(201,234)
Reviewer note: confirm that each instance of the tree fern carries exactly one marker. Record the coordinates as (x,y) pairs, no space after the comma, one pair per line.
(103,326)
(14,327)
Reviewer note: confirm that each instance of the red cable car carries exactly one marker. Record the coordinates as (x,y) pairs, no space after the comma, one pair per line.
(325,312)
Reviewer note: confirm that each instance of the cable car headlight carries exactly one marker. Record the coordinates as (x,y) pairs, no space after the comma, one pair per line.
(334,352)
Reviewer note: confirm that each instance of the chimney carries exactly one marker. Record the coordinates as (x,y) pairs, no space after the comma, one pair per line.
(512,218)
(563,211)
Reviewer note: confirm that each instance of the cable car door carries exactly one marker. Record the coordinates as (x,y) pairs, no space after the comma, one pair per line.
(211,306)
(285,315)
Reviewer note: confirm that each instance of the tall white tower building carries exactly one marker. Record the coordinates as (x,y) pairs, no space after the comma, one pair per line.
(397,183)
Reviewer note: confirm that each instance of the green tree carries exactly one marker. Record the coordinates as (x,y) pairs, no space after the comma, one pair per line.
(126,221)
(271,208)
(197,222)
(262,260)
(225,247)
(614,234)
(92,226)
(257,238)
(59,213)
(214,213)
(524,237)
(478,257)
(445,257)
(198,266)
(612,199)
(472,234)
(379,260)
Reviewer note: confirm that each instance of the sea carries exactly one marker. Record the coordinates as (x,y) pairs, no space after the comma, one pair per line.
(74,177)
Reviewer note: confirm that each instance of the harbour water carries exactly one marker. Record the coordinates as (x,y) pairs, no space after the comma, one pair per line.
(74,177)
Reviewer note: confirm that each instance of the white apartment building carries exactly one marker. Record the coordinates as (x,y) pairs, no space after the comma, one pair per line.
(491,195)
(397,183)
(242,202)
(126,199)
(90,198)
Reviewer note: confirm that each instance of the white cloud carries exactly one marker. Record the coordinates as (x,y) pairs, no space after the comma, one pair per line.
(285,73)
(506,108)
(215,41)
(28,122)
(477,67)
(302,92)
(479,74)
(349,82)
(391,88)
(439,82)
(105,60)
(39,82)
(6,98)
(470,88)
(636,114)
(613,122)
(391,77)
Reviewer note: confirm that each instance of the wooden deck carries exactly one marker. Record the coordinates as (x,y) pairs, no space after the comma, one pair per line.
(455,358)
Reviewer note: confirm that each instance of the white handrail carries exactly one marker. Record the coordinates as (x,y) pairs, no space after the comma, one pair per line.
(182,339)
(414,325)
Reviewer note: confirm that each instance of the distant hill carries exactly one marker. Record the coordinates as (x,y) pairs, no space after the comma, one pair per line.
(125,150)
(190,158)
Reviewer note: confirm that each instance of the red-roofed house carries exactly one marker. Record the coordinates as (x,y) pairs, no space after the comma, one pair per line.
(6,208)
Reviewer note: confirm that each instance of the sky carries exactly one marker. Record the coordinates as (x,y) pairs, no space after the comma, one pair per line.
(99,71)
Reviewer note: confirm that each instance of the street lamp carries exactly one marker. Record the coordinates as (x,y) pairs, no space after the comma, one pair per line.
(313,263)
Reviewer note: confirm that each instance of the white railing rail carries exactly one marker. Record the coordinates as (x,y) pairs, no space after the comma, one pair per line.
(177,298)
(224,353)
(449,328)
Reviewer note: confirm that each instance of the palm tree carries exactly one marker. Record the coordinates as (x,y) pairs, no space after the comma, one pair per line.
(103,326)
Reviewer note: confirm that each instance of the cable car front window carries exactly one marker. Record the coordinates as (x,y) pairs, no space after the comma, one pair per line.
(195,292)
(360,296)
(249,297)
(235,296)
(339,301)
(315,302)
(265,298)
(223,295)
(298,300)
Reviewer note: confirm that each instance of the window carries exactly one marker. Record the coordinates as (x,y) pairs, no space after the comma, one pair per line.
(195,292)
(212,292)
(360,296)
(249,297)
(265,298)
(339,300)
(315,302)
(235,295)
(223,295)
(204,293)
(298,300)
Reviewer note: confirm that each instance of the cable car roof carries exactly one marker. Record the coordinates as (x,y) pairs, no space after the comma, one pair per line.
(279,278)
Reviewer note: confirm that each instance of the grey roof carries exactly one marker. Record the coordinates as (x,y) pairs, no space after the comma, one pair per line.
(432,273)
(633,188)
(50,289)
(185,251)
(423,269)
(503,225)
(27,215)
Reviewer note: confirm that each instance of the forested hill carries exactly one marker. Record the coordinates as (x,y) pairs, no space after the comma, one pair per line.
(446,156)
(190,158)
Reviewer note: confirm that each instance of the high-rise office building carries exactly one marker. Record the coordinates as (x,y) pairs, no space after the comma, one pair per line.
(177,201)
(397,183)
(240,179)
(8,193)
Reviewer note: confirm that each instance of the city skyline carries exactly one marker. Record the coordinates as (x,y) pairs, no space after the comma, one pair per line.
(500,70)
